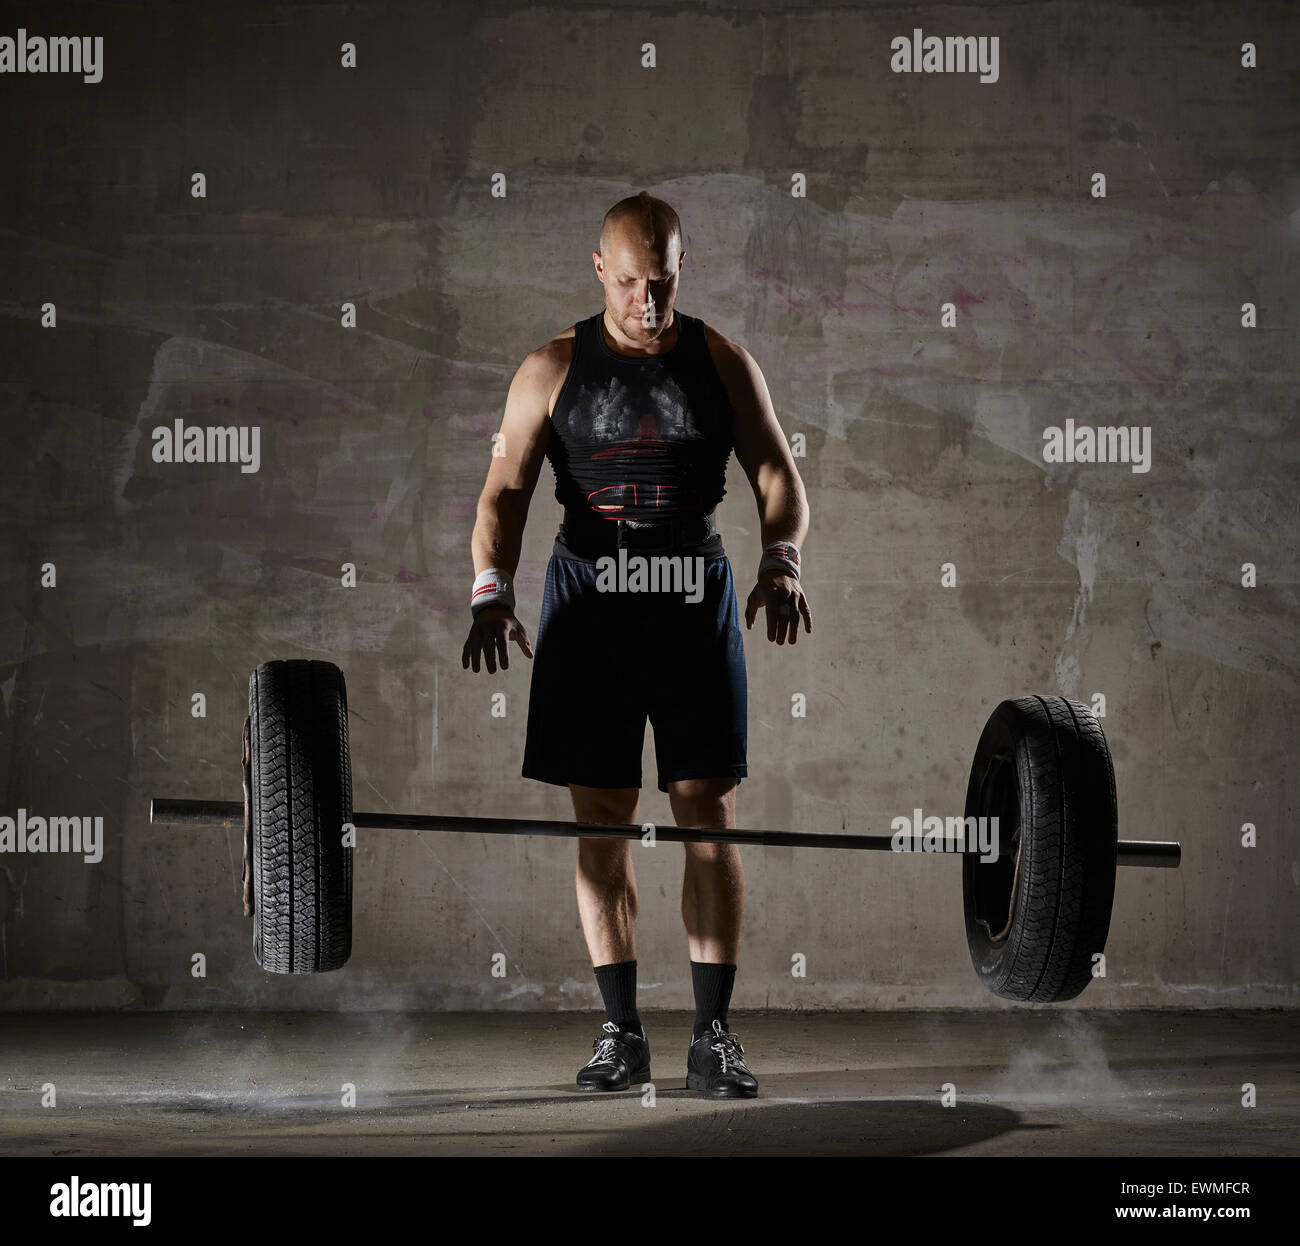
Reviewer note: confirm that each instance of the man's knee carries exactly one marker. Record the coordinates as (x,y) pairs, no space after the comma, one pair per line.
(606,863)
(722,857)
(703,802)
(613,805)
(609,859)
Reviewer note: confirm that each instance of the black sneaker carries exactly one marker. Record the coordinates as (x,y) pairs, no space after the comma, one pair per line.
(715,1065)
(622,1057)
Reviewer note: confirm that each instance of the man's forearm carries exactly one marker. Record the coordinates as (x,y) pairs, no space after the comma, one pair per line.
(498,534)
(784,511)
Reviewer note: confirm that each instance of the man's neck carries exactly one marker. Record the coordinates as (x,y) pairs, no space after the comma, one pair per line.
(614,344)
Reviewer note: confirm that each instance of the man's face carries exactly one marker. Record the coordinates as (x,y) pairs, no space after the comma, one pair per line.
(640,283)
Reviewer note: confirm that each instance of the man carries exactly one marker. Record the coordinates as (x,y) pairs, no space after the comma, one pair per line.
(638,409)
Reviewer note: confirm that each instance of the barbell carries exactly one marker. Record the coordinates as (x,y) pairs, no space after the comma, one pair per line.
(1037,909)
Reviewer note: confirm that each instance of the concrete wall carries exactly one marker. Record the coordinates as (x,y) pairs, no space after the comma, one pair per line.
(924,446)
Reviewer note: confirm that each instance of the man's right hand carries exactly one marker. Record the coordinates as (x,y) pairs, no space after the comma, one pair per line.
(490,634)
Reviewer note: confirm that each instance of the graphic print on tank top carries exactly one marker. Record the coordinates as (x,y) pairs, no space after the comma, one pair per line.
(640,438)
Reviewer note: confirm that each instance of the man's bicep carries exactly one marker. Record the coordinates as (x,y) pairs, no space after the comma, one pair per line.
(519,445)
(756,434)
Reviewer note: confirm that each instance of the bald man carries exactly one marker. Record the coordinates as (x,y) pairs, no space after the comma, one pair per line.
(638,409)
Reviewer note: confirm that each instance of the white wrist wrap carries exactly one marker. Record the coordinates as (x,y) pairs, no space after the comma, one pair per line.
(781,556)
(491,588)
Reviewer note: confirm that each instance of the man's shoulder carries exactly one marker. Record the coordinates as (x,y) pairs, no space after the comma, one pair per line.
(721,347)
(549,363)
(730,358)
(558,351)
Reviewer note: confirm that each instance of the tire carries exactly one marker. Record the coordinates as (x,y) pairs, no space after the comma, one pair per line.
(300,797)
(1037,915)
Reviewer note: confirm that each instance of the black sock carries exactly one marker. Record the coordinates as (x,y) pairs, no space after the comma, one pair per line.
(617,984)
(712,985)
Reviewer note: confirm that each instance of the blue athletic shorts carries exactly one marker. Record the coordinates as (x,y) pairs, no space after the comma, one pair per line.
(604,662)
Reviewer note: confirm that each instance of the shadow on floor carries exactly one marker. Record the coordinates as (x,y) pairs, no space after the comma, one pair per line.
(794,1114)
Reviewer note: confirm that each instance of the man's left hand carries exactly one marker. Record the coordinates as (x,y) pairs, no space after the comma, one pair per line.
(784,599)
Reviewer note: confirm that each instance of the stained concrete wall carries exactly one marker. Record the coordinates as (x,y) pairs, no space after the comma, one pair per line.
(924,446)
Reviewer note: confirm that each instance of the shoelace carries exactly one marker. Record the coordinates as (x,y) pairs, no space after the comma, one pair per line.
(604,1047)
(726,1046)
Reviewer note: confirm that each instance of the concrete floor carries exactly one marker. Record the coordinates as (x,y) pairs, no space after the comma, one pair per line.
(1028,1082)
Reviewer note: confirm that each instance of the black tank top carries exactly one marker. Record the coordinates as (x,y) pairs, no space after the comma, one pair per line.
(644,437)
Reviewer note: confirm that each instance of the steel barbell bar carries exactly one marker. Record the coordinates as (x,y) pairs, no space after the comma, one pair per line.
(1154,854)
